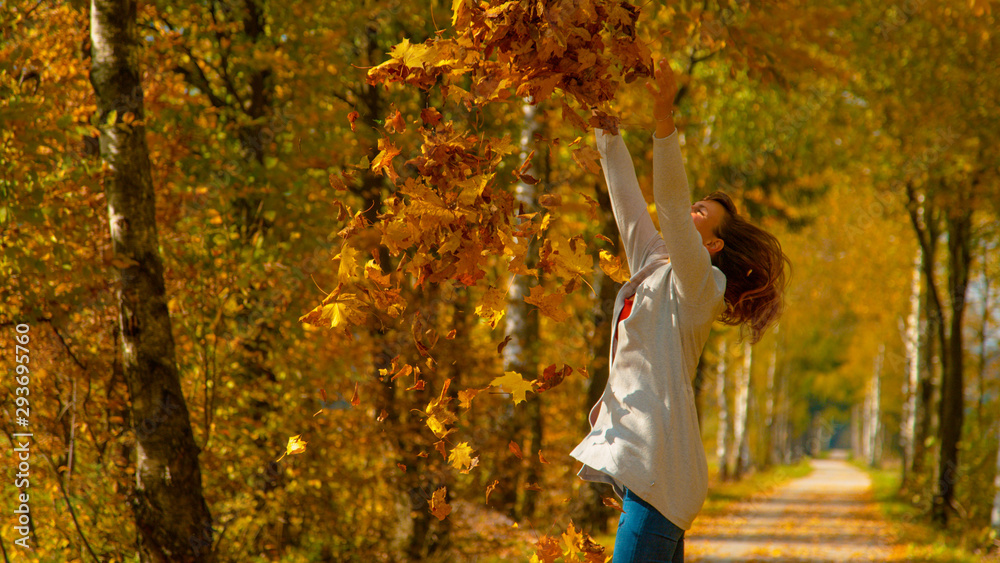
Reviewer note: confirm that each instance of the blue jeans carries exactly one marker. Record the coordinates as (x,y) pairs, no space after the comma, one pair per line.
(645,535)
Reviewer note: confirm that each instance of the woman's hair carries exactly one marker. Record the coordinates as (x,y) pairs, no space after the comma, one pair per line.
(754,265)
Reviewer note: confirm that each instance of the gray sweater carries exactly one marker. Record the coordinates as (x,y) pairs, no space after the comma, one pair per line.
(644,430)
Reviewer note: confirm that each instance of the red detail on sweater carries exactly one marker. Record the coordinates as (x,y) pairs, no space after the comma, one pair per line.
(626,309)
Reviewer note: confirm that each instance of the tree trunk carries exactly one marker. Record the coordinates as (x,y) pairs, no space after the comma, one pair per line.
(769,429)
(741,415)
(925,221)
(722,439)
(170,512)
(908,427)
(984,327)
(873,412)
(520,353)
(952,383)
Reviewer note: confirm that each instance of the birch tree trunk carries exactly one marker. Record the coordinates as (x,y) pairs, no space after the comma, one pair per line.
(911,383)
(171,516)
(520,352)
(770,430)
(874,412)
(722,440)
(741,415)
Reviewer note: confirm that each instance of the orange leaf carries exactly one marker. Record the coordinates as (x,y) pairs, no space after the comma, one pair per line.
(547,549)
(552,377)
(383,160)
(541,458)
(395,123)
(503,344)
(549,305)
(439,507)
(355,399)
(352,117)
(489,489)
(430,116)
(613,503)
(515,449)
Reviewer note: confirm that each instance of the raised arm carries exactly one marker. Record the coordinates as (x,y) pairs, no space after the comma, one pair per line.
(692,265)
(634,223)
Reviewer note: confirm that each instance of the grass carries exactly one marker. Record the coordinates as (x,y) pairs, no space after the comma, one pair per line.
(912,531)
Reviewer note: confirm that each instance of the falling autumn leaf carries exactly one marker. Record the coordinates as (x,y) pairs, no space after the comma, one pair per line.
(613,267)
(461,457)
(439,507)
(552,377)
(490,488)
(356,398)
(294,446)
(514,384)
(549,305)
(613,503)
(438,415)
(465,397)
(515,449)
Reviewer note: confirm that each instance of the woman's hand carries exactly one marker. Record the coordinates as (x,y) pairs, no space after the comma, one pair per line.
(664,90)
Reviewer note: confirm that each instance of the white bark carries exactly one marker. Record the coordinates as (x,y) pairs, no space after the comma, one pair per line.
(911,383)
(872,416)
(769,426)
(741,412)
(517,322)
(722,442)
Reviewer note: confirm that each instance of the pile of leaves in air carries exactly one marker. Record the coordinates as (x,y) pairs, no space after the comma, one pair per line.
(451,213)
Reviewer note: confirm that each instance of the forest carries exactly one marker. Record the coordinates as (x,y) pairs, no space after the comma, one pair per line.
(334,281)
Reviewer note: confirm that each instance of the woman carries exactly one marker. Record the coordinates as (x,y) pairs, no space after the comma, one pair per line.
(709,263)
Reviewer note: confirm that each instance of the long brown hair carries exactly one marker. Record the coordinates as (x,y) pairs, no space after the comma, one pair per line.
(754,265)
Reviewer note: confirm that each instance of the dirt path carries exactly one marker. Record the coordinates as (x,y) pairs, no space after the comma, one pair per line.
(824,517)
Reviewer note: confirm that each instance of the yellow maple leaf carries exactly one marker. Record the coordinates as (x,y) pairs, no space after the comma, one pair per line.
(348,262)
(492,307)
(516,385)
(613,267)
(465,397)
(461,457)
(383,160)
(438,415)
(571,539)
(571,257)
(294,446)
(413,55)
(374,273)
(438,505)
(549,305)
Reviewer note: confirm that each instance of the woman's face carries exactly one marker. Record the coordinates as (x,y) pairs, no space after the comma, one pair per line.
(707,214)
